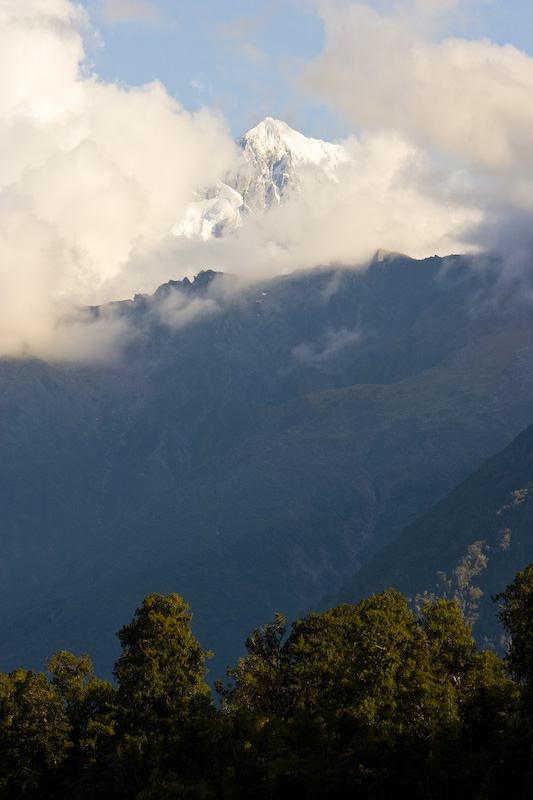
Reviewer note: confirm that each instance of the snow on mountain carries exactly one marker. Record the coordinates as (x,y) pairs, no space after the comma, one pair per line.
(275,154)
(215,214)
(273,160)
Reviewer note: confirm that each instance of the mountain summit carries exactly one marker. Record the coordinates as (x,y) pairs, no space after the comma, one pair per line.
(275,155)
(273,159)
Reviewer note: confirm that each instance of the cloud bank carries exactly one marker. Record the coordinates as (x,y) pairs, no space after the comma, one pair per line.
(89,171)
(93,175)
(468,103)
(388,195)
(471,99)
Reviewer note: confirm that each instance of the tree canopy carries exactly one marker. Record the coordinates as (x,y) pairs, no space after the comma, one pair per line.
(367,700)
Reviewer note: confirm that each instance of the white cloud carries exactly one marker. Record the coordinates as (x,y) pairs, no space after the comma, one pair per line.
(467,104)
(331,345)
(389,194)
(198,84)
(177,310)
(89,171)
(77,336)
(253,53)
(468,98)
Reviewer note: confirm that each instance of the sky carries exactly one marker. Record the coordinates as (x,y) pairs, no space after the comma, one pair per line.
(113,112)
(247,59)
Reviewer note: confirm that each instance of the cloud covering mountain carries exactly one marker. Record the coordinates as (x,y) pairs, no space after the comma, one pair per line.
(467,101)
(89,171)
(93,175)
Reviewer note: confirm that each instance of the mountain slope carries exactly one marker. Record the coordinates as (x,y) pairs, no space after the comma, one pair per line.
(468,547)
(253,458)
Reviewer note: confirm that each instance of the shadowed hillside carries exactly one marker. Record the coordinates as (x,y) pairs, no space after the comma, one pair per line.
(253,454)
(465,546)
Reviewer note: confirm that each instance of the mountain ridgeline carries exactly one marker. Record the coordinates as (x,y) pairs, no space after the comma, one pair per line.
(253,448)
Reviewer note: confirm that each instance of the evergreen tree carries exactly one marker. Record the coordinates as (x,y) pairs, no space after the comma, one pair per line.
(512,773)
(89,710)
(34,735)
(160,687)
(517,616)
(261,678)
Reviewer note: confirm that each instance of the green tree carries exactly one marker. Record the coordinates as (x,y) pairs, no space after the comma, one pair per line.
(160,685)
(319,646)
(89,710)
(34,735)
(475,699)
(511,773)
(516,613)
(261,679)
(450,641)
(452,654)
(376,667)
(339,706)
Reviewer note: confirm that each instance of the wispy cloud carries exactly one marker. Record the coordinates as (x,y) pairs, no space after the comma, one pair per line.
(253,53)
(331,345)
(116,12)
(243,33)
(177,310)
(242,27)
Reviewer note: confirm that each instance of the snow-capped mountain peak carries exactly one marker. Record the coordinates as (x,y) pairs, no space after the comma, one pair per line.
(273,161)
(272,138)
(275,156)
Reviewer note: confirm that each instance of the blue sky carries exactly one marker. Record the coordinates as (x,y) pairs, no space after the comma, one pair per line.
(240,57)
(246,58)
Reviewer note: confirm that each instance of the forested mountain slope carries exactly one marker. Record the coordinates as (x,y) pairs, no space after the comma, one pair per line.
(466,545)
(251,447)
